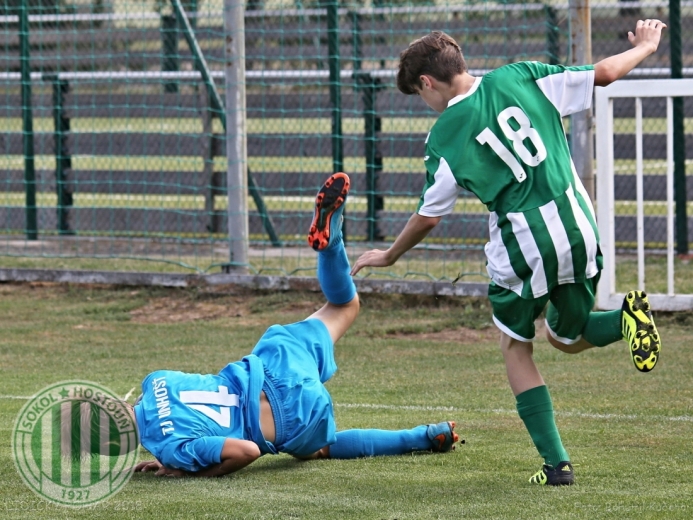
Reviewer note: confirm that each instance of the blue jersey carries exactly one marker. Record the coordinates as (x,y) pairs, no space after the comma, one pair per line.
(184,419)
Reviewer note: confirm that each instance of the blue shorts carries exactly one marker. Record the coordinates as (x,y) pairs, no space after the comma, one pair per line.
(298,359)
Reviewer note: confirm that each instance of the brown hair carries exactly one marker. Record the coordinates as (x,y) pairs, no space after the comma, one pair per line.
(436,54)
(89,421)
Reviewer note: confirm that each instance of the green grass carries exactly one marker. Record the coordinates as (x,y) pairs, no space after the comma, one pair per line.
(156,263)
(407,361)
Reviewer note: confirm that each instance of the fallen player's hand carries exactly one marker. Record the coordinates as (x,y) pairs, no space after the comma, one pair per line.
(159,468)
(168,472)
(148,465)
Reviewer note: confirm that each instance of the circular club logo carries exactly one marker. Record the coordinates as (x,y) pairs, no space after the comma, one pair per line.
(75,443)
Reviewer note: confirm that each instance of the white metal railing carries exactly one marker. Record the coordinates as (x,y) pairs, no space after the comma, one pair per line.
(607,298)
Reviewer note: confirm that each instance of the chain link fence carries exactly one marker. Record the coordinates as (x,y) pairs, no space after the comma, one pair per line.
(114,157)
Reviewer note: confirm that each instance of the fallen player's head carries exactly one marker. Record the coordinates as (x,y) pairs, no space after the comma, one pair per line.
(88,430)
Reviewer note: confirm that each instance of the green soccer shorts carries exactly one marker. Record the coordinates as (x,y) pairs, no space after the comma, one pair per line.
(569,307)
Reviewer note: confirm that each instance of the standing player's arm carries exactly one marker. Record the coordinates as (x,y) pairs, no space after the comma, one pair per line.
(235,454)
(645,42)
(414,232)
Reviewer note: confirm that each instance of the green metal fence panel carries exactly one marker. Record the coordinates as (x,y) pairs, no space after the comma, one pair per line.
(129,148)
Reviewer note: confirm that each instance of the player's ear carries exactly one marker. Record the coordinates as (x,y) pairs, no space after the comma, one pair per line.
(426,82)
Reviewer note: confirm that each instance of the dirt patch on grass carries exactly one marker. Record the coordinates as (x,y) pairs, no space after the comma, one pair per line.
(185,306)
(41,289)
(465,335)
(179,310)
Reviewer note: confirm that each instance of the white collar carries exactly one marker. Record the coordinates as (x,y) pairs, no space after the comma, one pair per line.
(471,91)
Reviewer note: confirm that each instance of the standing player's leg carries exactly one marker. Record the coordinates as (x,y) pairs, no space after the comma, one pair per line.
(352,444)
(325,236)
(515,318)
(535,408)
(567,331)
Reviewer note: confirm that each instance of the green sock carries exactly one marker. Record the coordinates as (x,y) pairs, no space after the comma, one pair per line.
(603,328)
(536,411)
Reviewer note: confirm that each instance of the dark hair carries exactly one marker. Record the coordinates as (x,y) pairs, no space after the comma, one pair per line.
(85,417)
(436,54)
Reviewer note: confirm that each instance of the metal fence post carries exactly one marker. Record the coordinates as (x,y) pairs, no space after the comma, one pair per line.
(63,160)
(27,125)
(553,36)
(169,45)
(374,159)
(209,150)
(582,146)
(234,23)
(236,147)
(680,194)
(200,62)
(335,85)
(372,123)
(335,89)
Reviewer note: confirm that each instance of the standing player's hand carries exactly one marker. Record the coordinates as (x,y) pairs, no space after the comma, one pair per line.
(647,32)
(373,258)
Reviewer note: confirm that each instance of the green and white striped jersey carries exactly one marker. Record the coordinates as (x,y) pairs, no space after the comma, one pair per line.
(504,141)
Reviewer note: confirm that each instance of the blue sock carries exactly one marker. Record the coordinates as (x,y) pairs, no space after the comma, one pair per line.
(334,273)
(352,444)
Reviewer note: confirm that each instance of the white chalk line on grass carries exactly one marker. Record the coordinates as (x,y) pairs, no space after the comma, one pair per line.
(582,415)
(504,411)
(127,396)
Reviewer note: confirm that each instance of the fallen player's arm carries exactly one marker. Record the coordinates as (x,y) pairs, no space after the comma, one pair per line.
(235,454)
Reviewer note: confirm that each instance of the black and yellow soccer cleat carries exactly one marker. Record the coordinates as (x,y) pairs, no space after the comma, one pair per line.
(561,475)
(639,331)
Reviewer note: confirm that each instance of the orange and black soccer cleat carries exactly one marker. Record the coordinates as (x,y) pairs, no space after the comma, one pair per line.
(329,206)
(443,436)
